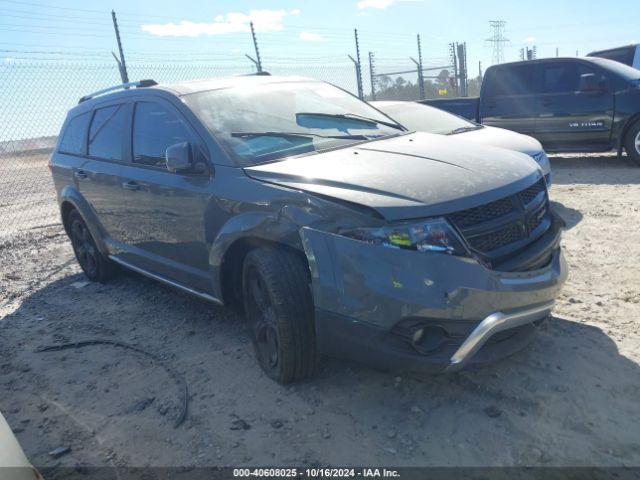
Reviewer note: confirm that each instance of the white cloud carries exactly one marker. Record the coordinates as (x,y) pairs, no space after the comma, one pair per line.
(380,4)
(233,22)
(311,37)
(529,39)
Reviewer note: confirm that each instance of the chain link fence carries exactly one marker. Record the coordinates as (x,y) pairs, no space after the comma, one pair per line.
(35,96)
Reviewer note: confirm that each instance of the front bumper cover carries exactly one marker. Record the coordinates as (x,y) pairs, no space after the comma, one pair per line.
(364,294)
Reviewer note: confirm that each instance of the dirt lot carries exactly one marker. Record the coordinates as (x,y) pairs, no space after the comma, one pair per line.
(572,398)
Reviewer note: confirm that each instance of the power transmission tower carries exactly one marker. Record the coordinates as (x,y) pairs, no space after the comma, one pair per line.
(497,40)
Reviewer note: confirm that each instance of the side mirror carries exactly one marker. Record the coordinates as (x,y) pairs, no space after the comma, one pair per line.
(179,157)
(590,83)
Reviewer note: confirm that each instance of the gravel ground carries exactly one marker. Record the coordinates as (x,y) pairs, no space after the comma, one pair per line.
(570,399)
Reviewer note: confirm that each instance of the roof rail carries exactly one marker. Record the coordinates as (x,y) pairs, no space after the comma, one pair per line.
(124,86)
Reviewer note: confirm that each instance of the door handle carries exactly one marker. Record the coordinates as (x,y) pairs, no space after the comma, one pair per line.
(80,175)
(131,185)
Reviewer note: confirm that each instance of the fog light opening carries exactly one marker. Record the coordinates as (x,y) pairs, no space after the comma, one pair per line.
(428,339)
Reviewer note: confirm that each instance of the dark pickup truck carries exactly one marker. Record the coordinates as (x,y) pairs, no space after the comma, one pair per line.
(568,104)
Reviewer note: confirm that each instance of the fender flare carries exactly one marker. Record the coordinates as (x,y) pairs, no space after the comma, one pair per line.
(71,195)
(267,227)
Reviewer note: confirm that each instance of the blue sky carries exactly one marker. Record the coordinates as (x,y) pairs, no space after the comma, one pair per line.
(321,31)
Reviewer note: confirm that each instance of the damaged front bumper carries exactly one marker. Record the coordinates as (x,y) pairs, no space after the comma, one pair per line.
(402,309)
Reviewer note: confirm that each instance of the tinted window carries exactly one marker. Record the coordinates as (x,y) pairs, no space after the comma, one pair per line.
(74,135)
(154,129)
(510,80)
(563,77)
(105,135)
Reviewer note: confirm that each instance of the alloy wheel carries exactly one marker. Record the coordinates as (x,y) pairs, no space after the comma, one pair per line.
(84,248)
(264,326)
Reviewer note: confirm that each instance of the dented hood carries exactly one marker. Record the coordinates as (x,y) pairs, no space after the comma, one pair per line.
(410,176)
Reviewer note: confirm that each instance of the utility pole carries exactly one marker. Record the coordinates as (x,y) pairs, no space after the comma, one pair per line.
(356,61)
(372,75)
(497,40)
(462,68)
(556,51)
(122,66)
(480,70)
(454,63)
(256,61)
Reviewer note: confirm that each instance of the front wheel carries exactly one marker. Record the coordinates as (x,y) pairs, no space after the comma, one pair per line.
(632,143)
(278,305)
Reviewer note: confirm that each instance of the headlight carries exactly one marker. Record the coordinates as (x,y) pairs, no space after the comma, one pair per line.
(541,157)
(426,236)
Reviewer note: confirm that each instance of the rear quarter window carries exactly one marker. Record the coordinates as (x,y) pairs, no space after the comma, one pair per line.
(509,80)
(74,135)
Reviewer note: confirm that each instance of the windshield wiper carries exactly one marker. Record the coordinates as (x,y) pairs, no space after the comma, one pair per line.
(299,134)
(464,129)
(352,116)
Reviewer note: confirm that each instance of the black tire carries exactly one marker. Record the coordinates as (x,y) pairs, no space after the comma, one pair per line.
(277,302)
(632,143)
(96,266)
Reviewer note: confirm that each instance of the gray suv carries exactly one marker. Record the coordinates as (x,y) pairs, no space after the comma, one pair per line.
(335,229)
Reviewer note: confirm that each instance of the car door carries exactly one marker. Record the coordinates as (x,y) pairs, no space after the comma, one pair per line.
(166,210)
(508,100)
(570,118)
(97,177)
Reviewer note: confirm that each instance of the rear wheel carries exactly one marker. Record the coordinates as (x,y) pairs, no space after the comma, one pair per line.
(96,266)
(277,303)
(632,143)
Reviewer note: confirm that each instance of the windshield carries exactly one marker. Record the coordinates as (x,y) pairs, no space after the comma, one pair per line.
(263,123)
(423,118)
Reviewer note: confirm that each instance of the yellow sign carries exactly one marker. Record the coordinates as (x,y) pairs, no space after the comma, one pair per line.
(443,91)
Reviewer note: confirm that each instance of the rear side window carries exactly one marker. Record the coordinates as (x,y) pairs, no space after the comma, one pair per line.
(106,133)
(511,80)
(154,129)
(74,135)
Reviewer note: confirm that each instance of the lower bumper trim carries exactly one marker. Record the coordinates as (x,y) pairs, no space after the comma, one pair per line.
(494,323)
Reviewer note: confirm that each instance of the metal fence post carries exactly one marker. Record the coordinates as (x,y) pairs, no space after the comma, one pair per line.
(122,66)
(358,68)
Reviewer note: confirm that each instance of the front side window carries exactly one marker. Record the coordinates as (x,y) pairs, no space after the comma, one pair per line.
(154,129)
(563,77)
(258,123)
(106,133)
(74,135)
